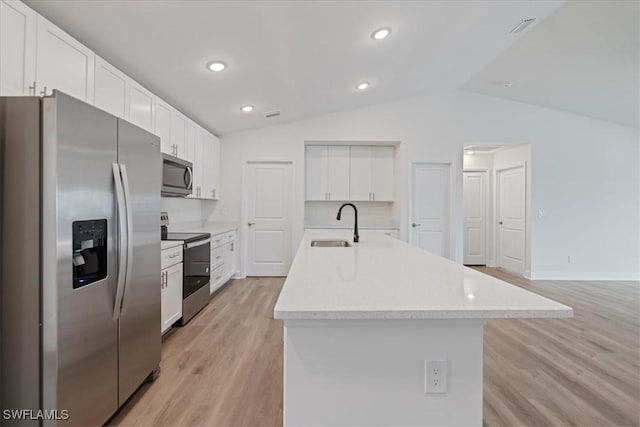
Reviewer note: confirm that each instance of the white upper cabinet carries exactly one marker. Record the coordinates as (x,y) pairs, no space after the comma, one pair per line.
(361,173)
(215,172)
(63,63)
(383,177)
(17,49)
(317,169)
(163,126)
(110,89)
(178,134)
(372,173)
(141,106)
(191,141)
(327,172)
(357,173)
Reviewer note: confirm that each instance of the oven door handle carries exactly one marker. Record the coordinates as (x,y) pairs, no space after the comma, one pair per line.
(122,240)
(197,243)
(128,202)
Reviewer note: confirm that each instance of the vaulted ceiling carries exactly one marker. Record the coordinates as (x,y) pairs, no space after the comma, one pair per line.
(303,58)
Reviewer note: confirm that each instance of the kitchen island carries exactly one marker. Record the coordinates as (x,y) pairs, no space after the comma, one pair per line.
(364,324)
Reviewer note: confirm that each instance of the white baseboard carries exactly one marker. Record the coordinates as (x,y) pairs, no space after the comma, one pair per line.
(527,274)
(569,275)
(238,275)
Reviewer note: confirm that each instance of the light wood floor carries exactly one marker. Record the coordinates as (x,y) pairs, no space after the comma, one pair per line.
(225,367)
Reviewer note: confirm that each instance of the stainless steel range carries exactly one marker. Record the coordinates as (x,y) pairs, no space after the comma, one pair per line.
(196,268)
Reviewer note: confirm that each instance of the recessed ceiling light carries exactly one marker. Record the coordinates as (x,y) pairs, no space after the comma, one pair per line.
(362,86)
(216,66)
(381,33)
(247,108)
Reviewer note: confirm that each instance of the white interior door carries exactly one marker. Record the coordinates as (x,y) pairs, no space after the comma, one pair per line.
(430,213)
(511,207)
(269,195)
(474,190)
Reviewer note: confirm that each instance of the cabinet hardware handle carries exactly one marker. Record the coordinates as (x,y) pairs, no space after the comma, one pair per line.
(219,256)
(373,196)
(329,195)
(43,92)
(32,89)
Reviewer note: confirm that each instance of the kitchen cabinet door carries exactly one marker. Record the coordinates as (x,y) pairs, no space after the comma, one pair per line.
(382,176)
(141,107)
(207,190)
(338,173)
(361,173)
(163,126)
(216,164)
(229,255)
(171,296)
(17,49)
(63,63)
(110,89)
(178,133)
(198,146)
(316,168)
(190,144)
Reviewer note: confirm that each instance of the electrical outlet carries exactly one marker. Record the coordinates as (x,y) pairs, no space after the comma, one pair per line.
(435,376)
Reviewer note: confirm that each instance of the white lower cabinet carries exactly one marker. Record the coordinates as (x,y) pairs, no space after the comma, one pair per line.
(171,286)
(223,259)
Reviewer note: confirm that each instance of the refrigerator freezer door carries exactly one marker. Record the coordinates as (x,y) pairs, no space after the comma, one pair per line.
(140,338)
(79,147)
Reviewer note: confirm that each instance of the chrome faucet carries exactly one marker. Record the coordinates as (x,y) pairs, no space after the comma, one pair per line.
(356,237)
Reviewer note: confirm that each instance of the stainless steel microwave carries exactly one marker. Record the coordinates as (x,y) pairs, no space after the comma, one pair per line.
(177,176)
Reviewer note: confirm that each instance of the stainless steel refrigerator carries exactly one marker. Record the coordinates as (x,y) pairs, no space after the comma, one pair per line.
(80,253)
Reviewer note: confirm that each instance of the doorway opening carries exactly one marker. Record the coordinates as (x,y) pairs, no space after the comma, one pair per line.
(496,188)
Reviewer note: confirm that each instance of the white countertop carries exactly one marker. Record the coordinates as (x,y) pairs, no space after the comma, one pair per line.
(168,244)
(385,278)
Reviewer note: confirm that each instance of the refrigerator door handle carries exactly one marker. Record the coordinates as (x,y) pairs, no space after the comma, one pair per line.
(122,240)
(128,203)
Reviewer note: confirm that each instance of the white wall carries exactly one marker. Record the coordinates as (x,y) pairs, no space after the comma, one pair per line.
(585,172)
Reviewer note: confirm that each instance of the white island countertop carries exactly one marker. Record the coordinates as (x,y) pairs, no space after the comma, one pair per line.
(385,278)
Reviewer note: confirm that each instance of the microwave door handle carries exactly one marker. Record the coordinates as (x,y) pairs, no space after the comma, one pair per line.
(190,173)
(122,239)
(129,210)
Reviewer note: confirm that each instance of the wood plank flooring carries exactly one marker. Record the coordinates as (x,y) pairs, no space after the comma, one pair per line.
(225,367)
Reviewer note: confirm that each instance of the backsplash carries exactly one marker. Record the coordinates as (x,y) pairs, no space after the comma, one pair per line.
(182,211)
(370,214)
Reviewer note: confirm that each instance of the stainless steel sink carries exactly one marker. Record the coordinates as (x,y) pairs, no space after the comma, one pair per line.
(330,244)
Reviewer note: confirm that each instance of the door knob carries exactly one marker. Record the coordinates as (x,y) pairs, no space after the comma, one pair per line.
(414,225)
(251,224)
(500,222)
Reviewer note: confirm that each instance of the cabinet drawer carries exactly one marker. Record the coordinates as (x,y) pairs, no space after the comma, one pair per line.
(230,236)
(217,240)
(217,278)
(171,257)
(217,257)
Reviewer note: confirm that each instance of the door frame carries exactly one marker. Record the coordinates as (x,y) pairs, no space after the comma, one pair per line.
(244,215)
(496,207)
(488,234)
(453,183)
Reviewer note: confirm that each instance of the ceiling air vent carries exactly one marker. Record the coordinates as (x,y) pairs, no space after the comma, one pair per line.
(271,114)
(522,25)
